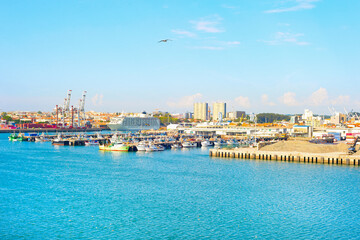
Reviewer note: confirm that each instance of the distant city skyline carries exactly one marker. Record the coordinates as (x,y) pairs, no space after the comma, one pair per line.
(256,56)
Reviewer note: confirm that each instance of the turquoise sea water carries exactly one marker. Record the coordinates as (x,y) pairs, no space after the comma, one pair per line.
(52,192)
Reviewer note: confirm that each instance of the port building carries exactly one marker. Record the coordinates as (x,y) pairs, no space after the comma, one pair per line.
(201,111)
(236,115)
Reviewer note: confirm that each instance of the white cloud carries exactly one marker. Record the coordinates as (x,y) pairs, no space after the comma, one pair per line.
(186,101)
(243,101)
(289,99)
(265,100)
(184,33)
(233,43)
(299,5)
(319,97)
(97,100)
(209,24)
(285,37)
(341,100)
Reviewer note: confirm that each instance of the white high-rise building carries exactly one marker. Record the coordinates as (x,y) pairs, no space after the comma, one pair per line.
(201,111)
(219,108)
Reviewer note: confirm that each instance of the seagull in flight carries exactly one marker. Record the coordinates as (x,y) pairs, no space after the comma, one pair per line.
(164,40)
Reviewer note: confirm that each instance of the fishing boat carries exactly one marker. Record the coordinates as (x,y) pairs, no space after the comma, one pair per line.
(118,146)
(219,143)
(151,148)
(206,143)
(60,141)
(17,137)
(92,143)
(160,148)
(189,144)
(42,138)
(175,146)
(141,146)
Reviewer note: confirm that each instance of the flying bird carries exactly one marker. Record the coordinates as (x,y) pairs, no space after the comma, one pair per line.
(164,40)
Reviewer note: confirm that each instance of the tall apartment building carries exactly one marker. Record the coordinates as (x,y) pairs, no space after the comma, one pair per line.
(201,111)
(219,108)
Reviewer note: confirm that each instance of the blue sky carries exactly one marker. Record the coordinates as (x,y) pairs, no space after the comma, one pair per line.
(258,56)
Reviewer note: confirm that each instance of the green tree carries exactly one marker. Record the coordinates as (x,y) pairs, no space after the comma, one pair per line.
(7,118)
(271,117)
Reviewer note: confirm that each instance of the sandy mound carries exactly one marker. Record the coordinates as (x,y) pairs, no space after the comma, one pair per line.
(304,146)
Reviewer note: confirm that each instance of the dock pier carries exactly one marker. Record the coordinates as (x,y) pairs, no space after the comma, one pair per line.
(254,154)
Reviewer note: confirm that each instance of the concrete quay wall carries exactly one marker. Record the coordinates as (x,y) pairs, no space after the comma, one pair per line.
(251,153)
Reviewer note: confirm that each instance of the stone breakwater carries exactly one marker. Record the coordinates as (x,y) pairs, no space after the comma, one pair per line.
(253,153)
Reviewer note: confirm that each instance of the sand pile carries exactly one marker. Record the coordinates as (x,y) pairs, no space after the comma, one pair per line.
(306,147)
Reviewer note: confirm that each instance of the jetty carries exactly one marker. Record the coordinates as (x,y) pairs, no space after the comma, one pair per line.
(131,139)
(254,154)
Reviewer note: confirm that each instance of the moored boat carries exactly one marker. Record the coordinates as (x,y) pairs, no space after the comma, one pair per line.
(141,146)
(189,144)
(219,143)
(121,147)
(17,137)
(160,148)
(92,143)
(175,146)
(152,148)
(206,143)
(60,141)
(232,142)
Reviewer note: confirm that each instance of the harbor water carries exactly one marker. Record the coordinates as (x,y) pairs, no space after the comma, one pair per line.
(63,192)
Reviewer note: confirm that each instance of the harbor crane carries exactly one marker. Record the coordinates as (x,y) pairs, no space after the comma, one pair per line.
(66,111)
(81,109)
(66,107)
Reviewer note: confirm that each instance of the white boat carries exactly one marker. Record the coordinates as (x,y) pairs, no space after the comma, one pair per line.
(151,148)
(141,146)
(92,143)
(125,123)
(175,146)
(205,143)
(219,143)
(160,148)
(189,144)
(42,138)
